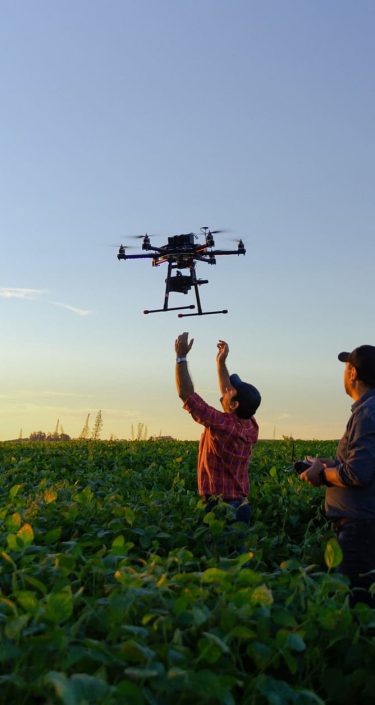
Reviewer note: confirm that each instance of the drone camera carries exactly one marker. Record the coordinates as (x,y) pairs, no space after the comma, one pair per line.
(180,283)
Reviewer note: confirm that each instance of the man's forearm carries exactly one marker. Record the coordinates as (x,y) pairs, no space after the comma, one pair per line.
(223,376)
(184,384)
(332,476)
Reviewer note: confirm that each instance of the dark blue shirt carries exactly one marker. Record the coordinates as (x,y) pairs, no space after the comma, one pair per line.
(355,462)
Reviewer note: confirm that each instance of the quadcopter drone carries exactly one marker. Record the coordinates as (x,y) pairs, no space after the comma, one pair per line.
(182,252)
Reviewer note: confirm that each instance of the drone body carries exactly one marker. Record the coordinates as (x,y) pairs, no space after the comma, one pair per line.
(182,252)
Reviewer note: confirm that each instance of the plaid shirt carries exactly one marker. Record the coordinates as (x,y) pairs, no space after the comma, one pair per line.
(225,449)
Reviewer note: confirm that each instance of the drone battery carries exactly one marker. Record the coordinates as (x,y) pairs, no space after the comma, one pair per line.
(181,240)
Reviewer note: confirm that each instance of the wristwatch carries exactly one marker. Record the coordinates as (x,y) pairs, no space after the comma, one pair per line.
(323,479)
(180,359)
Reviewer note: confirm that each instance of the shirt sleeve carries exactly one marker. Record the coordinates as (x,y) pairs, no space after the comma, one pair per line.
(359,466)
(206,415)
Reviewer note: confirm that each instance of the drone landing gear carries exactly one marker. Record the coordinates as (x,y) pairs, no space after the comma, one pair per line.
(175,308)
(182,284)
(201,313)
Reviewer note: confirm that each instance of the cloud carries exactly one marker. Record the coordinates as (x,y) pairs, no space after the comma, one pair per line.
(282,417)
(74,309)
(21,293)
(8,292)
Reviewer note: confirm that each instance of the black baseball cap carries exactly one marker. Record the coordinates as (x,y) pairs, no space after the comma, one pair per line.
(363,359)
(247,396)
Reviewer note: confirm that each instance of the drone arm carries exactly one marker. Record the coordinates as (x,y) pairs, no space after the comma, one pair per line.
(229,252)
(125,256)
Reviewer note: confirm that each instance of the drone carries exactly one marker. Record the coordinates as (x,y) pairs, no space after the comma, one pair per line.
(181,253)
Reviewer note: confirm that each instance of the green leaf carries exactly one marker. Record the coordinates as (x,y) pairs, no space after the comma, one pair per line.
(130,692)
(136,652)
(129,515)
(60,605)
(262,595)
(26,534)
(296,643)
(28,600)
(276,692)
(14,626)
(333,554)
(14,491)
(219,642)
(215,575)
(141,673)
(64,688)
(53,535)
(31,580)
(80,689)
(13,522)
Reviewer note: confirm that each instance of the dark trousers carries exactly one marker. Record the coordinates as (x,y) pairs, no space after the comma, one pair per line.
(357,541)
(243,510)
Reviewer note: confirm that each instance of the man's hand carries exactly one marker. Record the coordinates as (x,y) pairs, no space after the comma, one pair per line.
(182,345)
(327,462)
(312,475)
(223,350)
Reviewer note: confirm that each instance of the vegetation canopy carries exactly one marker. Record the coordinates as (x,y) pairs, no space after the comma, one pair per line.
(116,587)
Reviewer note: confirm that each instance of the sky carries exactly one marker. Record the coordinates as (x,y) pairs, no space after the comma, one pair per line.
(119,118)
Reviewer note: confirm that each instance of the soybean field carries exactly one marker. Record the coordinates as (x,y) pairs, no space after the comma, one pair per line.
(117,588)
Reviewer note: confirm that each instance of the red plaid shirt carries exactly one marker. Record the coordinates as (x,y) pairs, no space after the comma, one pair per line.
(225,449)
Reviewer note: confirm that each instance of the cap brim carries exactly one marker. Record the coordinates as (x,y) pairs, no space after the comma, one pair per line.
(235,381)
(344,356)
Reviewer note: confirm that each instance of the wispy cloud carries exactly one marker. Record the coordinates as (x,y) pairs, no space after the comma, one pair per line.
(21,293)
(9,292)
(73,309)
(282,417)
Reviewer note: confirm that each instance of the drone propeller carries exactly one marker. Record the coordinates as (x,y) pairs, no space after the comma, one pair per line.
(216,232)
(117,245)
(142,237)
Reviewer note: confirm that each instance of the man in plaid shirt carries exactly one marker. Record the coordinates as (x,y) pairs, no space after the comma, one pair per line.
(227,440)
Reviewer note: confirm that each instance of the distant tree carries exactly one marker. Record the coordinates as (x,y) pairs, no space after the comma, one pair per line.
(86,429)
(98,425)
(64,436)
(37,436)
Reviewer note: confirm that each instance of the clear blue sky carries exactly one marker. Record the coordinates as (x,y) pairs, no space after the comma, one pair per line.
(124,117)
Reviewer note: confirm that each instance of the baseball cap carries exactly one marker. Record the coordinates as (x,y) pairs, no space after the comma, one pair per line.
(247,396)
(363,359)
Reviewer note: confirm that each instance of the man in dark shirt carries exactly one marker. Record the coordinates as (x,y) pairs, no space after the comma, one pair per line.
(227,441)
(350,477)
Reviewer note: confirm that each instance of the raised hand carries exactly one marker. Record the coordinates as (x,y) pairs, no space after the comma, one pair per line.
(223,350)
(183,345)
